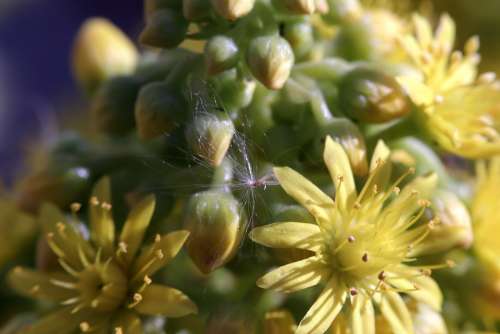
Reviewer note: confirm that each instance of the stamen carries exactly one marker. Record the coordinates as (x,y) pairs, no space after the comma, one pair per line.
(118,330)
(94,201)
(353,291)
(351,239)
(75,207)
(365,257)
(85,327)
(137,298)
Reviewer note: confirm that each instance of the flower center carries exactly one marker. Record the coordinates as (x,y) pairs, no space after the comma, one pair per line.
(102,286)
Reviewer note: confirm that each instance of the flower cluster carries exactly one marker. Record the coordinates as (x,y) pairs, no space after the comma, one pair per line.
(314,157)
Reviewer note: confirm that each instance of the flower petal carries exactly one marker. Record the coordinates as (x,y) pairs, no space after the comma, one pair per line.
(39,285)
(64,240)
(423,31)
(423,288)
(102,227)
(338,165)
(362,316)
(445,33)
(128,322)
(396,312)
(135,227)
(60,322)
(157,255)
(324,310)
(166,301)
(305,192)
(296,275)
(380,170)
(419,93)
(288,235)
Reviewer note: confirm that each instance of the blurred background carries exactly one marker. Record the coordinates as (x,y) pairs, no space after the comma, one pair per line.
(36,87)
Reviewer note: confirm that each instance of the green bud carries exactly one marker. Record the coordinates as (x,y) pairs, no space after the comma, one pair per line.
(343,10)
(210,136)
(113,106)
(270,59)
(450,227)
(195,10)
(57,185)
(216,221)
(300,7)
(233,9)
(370,96)
(348,135)
(101,51)
(158,110)
(221,53)
(300,35)
(165,28)
(236,92)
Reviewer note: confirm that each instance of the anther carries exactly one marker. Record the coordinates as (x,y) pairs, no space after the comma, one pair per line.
(106,206)
(381,276)
(75,207)
(396,190)
(487,78)
(438,99)
(351,239)
(137,297)
(411,170)
(118,330)
(357,205)
(122,247)
(159,254)
(365,257)
(424,203)
(84,326)
(353,291)
(157,238)
(450,263)
(147,280)
(94,201)
(34,289)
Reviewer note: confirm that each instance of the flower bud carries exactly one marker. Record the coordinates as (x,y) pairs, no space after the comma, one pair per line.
(370,96)
(195,10)
(101,51)
(58,185)
(270,59)
(348,135)
(450,227)
(343,10)
(235,92)
(233,9)
(279,322)
(158,110)
(216,221)
(165,28)
(300,36)
(221,53)
(210,136)
(300,7)
(113,106)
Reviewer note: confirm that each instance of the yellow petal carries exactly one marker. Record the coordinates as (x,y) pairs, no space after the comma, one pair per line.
(445,33)
(338,165)
(324,310)
(128,322)
(395,312)
(137,222)
(102,227)
(157,255)
(423,288)
(166,301)
(288,235)
(423,30)
(60,322)
(305,192)
(37,284)
(419,93)
(64,240)
(296,275)
(362,316)
(279,322)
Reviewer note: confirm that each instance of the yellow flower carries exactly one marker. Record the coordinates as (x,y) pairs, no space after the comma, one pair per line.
(486,219)
(106,284)
(361,244)
(458,110)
